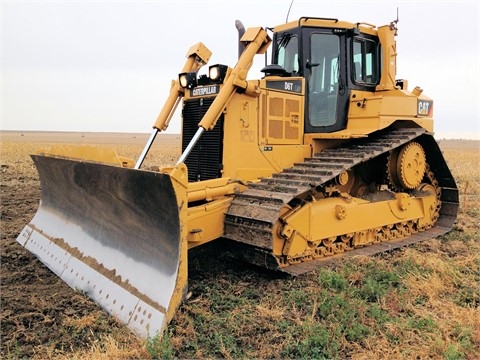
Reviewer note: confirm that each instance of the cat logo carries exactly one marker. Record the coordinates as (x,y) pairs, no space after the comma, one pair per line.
(425,108)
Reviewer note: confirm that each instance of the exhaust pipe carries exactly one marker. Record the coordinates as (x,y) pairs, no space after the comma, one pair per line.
(241,31)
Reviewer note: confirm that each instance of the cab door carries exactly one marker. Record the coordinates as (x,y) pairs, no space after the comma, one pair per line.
(324,67)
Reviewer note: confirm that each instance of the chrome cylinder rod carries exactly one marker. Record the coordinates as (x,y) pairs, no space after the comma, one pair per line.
(146,148)
(191,145)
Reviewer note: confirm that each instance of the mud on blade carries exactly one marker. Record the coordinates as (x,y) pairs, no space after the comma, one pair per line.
(115,234)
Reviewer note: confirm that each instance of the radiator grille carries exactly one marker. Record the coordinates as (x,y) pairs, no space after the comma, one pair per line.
(205,159)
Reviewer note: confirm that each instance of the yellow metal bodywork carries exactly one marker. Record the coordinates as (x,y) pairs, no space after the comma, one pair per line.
(197,56)
(327,23)
(206,221)
(256,41)
(249,151)
(305,227)
(372,111)
(180,182)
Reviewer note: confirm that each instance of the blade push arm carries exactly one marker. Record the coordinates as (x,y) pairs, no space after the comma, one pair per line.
(197,56)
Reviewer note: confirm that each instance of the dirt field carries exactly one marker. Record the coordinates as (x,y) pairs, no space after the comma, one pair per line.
(41,316)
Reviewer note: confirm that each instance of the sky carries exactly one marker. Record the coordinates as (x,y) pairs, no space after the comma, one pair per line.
(108,65)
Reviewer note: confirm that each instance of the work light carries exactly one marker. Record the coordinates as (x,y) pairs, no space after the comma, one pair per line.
(187,80)
(217,72)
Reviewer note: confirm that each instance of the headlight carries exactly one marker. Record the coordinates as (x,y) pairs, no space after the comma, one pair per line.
(187,80)
(217,73)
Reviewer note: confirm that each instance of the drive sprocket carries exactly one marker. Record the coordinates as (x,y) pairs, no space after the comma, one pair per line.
(407,166)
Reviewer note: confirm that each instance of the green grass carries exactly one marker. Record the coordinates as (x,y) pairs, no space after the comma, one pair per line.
(405,303)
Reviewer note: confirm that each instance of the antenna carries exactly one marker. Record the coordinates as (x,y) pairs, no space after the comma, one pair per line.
(289,8)
(393,24)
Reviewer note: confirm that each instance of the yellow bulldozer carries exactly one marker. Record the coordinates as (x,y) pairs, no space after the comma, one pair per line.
(325,157)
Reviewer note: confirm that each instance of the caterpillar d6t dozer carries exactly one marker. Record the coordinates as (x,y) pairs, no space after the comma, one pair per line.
(326,156)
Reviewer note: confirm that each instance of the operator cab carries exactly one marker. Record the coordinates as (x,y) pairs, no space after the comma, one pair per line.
(333,60)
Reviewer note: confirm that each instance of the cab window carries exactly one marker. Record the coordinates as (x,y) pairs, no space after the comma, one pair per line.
(365,62)
(287,56)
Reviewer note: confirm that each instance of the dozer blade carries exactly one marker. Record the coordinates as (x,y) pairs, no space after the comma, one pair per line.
(116,234)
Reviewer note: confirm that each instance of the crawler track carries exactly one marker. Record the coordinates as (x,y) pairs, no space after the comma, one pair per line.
(252,216)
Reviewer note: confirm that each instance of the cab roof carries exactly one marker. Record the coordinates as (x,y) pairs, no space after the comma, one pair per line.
(326,23)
